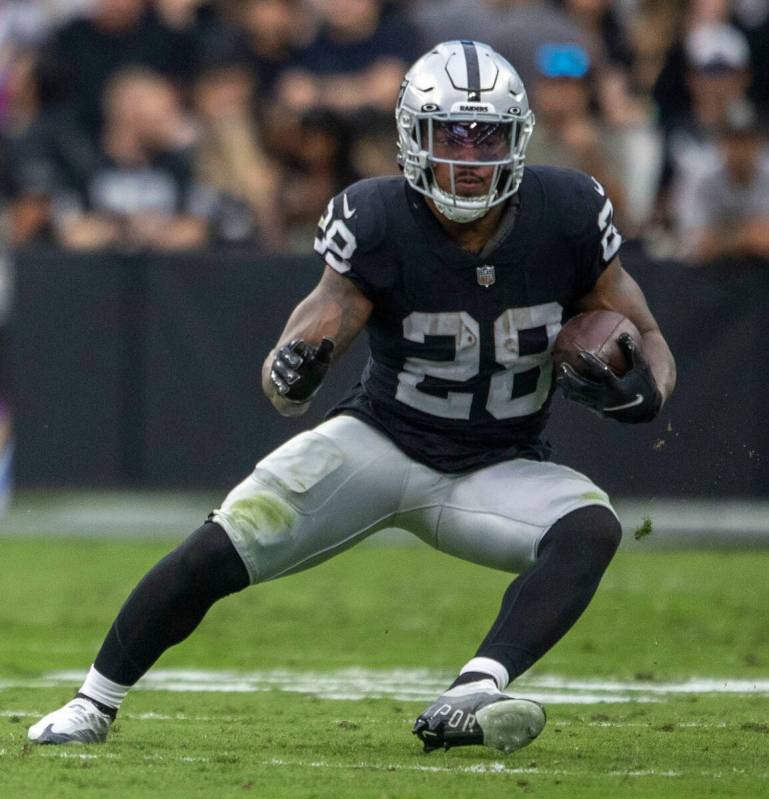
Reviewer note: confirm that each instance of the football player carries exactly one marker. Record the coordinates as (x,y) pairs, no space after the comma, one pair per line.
(462,272)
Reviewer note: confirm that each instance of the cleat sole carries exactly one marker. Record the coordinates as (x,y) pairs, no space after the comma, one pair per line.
(511,725)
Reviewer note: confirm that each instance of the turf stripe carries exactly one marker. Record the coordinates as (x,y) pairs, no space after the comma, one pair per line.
(183,717)
(408,685)
(727,523)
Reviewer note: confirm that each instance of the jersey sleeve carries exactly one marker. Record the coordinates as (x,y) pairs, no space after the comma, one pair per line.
(351,237)
(588,221)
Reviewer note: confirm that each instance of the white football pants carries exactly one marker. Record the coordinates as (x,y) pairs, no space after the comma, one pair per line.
(328,488)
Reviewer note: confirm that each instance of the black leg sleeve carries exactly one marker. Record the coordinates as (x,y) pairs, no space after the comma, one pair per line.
(170,602)
(544,601)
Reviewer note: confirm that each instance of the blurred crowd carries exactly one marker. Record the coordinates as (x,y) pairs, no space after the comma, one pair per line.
(177,124)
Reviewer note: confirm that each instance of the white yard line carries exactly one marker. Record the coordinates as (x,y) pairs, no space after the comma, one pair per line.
(20,714)
(415,685)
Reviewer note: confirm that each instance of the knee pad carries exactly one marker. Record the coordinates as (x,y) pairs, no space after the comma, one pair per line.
(209,561)
(593,531)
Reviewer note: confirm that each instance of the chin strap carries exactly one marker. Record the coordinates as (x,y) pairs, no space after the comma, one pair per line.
(444,202)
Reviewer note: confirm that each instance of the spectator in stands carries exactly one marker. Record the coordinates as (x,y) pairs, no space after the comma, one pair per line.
(719,70)
(274,33)
(373,151)
(229,153)
(356,60)
(140,192)
(723,212)
(22,26)
(45,146)
(752,18)
(181,15)
(652,32)
(354,64)
(315,168)
(718,75)
(514,28)
(20,93)
(598,20)
(601,19)
(520,29)
(313,59)
(567,132)
(115,34)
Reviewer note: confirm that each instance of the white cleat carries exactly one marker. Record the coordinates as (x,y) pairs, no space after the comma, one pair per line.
(79,721)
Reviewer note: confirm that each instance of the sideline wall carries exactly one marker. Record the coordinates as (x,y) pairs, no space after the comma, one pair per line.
(144,371)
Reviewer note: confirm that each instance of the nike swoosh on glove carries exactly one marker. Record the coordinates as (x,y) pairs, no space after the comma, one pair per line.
(632,398)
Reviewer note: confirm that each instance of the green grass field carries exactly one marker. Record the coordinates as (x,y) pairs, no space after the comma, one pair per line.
(385,627)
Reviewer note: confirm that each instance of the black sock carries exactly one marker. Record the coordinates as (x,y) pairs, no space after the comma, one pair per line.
(544,601)
(170,602)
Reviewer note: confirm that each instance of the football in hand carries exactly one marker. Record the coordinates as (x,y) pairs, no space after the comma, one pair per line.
(596,332)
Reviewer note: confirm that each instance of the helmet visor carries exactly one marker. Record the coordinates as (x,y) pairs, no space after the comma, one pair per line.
(471,141)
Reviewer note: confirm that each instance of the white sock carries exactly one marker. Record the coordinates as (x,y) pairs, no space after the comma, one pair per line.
(101,689)
(493,668)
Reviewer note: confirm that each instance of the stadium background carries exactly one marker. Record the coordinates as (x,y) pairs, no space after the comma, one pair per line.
(131,360)
(134,318)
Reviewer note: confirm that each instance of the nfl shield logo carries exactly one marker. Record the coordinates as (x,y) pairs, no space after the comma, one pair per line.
(485,275)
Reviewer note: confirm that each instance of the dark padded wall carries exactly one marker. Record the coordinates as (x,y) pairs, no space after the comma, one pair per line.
(144,370)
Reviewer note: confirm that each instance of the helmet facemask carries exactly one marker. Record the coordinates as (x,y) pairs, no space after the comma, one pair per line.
(462,151)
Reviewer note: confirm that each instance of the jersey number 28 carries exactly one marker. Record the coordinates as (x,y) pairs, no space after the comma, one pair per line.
(519,389)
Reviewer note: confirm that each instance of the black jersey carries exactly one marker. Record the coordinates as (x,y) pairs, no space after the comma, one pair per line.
(460,373)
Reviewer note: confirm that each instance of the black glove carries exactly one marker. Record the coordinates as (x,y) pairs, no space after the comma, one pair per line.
(634,397)
(299,368)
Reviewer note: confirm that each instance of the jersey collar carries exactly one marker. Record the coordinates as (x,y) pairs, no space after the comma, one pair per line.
(511,245)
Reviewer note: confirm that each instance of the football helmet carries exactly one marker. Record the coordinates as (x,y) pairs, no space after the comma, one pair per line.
(463,105)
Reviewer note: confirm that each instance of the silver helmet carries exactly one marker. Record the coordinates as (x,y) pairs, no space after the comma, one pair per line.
(464,94)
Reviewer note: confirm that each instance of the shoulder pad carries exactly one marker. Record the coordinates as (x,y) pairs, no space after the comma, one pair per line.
(353,224)
(581,209)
